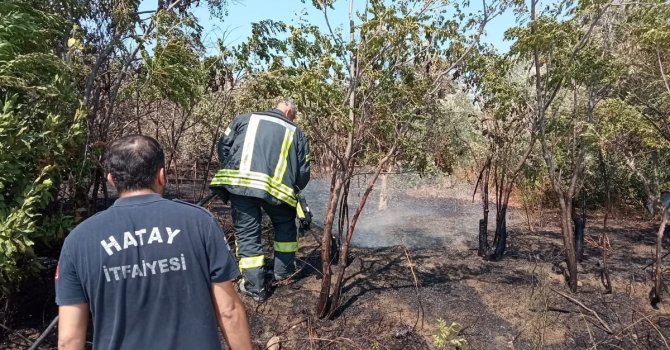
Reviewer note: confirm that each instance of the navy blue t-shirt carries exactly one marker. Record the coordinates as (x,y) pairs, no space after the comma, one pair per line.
(145,267)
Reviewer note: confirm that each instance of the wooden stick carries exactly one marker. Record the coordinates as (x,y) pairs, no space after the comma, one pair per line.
(607,328)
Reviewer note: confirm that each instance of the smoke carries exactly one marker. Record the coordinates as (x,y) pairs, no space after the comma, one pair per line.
(420,214)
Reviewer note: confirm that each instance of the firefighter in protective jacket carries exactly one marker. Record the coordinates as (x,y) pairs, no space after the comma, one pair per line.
(264,160)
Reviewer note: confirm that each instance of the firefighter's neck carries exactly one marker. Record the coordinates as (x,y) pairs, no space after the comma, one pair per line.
(137,193)
(286,110)
(158,186)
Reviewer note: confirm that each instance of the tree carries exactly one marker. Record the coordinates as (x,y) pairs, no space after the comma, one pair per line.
(373,92)
(565,62)
(510,128)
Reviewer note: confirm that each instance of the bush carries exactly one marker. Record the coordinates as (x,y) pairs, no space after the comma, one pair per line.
(41,133)
(447,336)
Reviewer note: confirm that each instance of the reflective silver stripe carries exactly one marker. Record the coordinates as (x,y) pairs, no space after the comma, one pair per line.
(249,141)
(274,120)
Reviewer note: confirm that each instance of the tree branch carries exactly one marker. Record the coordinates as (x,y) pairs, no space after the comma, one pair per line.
(660,66)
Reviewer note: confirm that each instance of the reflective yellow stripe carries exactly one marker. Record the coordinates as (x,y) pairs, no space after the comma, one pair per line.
(246,178)
(283,156)
(252,262)
(307,158)
(255,180)
(252,175)
(299,212)
(286,247)
(258,185)
(249,141)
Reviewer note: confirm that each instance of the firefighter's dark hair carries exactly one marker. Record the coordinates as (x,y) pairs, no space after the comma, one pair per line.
(133,162)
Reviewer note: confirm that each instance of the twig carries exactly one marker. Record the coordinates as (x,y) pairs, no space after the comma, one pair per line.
(420,313)
(17,334)
(293,325)
(339,340)
(588,329)
(660,66)
(621,332)
(607,328)
(655,328)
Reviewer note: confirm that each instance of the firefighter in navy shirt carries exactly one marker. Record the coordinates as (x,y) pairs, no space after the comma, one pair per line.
(153,273)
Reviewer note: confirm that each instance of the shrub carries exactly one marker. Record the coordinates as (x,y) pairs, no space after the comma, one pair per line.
(447,336)
(41,133)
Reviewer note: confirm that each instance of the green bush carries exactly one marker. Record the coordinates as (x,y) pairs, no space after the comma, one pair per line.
(41,131)
(447,336)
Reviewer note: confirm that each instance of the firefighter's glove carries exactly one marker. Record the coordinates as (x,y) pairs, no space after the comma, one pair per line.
(304,215)
(221,192)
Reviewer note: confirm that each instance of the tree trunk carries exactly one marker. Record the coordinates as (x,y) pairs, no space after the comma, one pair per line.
(97,178)
(579,227)
(384,189)
(568,242)
(608,194)
(346,243)
(657,290)
(105,191)
(483,235)
(484,223)
(502,201)
(605,273)
(323,302)
(501,234)
(177,181)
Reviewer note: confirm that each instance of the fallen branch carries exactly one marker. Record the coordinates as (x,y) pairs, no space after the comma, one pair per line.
(9,330)
(653,262)
(555,309)
(595,314)
(624,329)
(44,334)
(655,328)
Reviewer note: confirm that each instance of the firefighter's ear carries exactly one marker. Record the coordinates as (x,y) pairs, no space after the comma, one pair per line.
(160,177)
(290,113)
(110,179)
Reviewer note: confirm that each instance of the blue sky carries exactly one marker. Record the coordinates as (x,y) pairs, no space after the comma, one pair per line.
(236,27)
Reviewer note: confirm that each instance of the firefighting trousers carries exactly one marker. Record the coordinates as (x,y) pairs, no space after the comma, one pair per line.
(247,217)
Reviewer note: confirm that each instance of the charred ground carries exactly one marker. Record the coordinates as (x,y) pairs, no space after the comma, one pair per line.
(394,296)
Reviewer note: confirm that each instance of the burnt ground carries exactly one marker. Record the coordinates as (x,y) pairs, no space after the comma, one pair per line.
(511,304)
